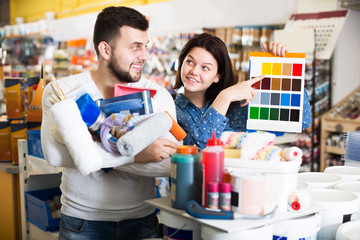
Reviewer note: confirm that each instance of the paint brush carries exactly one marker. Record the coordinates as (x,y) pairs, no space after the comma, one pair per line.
(90,112)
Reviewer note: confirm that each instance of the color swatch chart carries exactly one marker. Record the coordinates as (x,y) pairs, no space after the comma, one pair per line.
(278,105)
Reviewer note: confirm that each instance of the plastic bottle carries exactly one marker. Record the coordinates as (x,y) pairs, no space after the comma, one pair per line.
(213,161)
(213,195)
(186,176)
(225,196)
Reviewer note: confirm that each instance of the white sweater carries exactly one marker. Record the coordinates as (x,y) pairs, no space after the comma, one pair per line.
(113,196)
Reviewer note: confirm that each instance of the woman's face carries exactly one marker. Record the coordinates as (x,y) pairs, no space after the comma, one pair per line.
(199,70)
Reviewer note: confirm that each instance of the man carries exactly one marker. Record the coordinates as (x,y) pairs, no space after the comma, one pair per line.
(97,204)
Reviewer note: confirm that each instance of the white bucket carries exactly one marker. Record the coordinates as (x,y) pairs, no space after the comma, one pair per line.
(337,205)
(354,187)
(301,186)
(176,227)
(305,227)
(316,180)
(349,231)
(280,178)
(348,173)
(260,233)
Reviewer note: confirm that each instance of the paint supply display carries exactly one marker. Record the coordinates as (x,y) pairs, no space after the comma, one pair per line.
(316,180)
(213,161)
(338,206)
(186,176)
(248,193)
(225,196)
(259,233)
(213,195)
(305,227)
(179,228)
(278,105)
(349,231)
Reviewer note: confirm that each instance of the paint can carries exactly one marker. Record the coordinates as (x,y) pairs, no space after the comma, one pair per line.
(179,228)
(337,207)
(316,180)
(305,227)
(260,233)
(349,231)
(348,173)
(354,187)
(248,193)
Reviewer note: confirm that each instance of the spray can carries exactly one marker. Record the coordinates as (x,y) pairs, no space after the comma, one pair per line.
(213,195)
(213,161)
(225,196)
(185,176)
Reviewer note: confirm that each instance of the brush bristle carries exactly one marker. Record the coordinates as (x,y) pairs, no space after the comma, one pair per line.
(88,109)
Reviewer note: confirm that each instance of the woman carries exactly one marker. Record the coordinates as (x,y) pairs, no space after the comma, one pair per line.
(212,98)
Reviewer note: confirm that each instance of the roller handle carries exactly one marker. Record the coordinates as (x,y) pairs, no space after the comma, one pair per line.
(195,210)
(176,130)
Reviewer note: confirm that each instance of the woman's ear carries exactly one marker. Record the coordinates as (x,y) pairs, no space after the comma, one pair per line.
(217,78)
(104,50)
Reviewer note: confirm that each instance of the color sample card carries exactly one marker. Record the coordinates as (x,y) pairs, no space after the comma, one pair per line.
(278,105)
(326,25)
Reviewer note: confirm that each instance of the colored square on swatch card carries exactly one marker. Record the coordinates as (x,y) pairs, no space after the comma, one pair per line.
(294,115)
(296,85)
(297,69)
(266,68)
(276,69)
(286,84)
(265,84)
(285,99)
(287,69)
(275,83)
(265,98)
(275,99)
(295,100)
(256,99)
(254,112)
(274,114)
(256,85)
(284,114)
(264,113)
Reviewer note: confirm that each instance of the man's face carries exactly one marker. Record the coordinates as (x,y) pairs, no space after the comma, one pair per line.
(128,54)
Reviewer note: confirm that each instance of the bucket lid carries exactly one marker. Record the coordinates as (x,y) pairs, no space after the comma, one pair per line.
(344,171)
(334,200)
(349,230)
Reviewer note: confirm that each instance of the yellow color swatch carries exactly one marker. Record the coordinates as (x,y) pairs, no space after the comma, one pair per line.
(276,69)
(266,68)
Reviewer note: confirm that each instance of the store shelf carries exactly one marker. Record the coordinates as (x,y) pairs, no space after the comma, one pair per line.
(8,167)
(337,122)
(34,174)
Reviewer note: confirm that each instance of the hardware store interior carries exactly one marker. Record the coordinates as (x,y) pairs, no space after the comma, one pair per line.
(291,172)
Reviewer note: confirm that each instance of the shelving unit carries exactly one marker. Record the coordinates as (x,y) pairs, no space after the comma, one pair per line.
(342,118)
(34,174)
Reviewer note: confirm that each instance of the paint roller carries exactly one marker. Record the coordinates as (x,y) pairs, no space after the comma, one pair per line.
(147,132)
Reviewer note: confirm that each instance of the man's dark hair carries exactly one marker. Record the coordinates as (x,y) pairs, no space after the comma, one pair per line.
(111,19)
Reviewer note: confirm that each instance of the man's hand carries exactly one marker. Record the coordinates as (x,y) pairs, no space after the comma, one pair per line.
(157,151)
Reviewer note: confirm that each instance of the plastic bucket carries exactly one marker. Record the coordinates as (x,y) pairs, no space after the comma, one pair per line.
(349,231)
(305,227)
(316,180)
(354,187)
(301,186)
(337,207)
(180,228)
(348,173)
(261,233)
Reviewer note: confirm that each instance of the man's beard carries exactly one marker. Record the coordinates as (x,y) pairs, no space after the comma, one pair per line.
(121,75)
